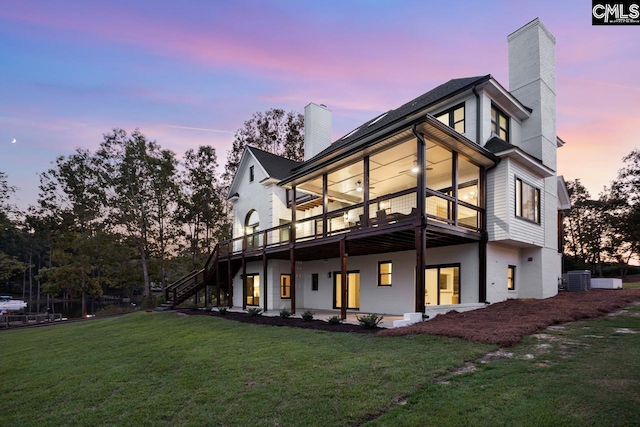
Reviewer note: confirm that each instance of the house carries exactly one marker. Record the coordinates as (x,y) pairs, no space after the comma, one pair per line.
(449,201)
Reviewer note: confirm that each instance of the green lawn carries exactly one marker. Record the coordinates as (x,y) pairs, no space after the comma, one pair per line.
(631,285)
(579,374)
(162,369)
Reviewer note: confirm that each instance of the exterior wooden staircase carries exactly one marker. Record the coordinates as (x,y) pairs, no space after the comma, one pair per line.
(187,286)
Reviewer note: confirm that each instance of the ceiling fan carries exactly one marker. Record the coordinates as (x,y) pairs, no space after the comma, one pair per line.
(415,168)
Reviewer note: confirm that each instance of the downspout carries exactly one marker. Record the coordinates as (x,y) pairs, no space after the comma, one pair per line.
(482,250)
(477,95)
(420,238)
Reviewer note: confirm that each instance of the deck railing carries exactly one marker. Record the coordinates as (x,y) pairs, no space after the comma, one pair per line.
(383,211)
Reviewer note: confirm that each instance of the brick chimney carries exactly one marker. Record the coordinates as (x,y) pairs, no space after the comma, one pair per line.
(317,129)
(532,80)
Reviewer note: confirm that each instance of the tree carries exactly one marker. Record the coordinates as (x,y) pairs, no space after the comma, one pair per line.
(202,209)
(274,131)
(586,227)
(72,196)
(139,178)
(11,237)
(625,199)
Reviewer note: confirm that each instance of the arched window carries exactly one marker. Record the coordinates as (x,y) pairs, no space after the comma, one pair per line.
(251,228)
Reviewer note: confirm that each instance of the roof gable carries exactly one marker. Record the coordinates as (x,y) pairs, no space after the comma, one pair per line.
(272,165)
(440,93)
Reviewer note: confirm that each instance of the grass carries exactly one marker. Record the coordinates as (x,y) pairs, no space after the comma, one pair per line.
(631,285)
(581,373)
(160,369)
(150,369)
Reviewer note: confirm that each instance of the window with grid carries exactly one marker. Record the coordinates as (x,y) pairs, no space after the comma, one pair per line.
(453,117)
(285,286)
(499,123)
(384,273)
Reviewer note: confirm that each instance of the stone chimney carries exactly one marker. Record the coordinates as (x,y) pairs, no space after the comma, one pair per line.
(317,129)
(532,80)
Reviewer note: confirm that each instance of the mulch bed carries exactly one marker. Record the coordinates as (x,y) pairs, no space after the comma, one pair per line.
(505,323)
(320,325)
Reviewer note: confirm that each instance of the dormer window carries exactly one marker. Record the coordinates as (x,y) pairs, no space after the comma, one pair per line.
(499,123)
(453,117)
(250,173)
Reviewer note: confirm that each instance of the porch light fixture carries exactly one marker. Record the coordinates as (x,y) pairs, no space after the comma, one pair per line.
(415,168)
(359,187)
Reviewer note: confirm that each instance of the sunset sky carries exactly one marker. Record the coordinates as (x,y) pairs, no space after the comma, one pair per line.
(188,73)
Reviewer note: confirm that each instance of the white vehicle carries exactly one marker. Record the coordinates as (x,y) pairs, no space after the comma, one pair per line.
(7,303)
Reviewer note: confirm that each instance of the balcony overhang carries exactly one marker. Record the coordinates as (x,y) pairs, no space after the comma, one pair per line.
(432,128)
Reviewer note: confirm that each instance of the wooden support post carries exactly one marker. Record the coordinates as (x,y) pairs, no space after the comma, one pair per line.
(482,250)
(454,188)
(365,204)
(229,283)
(292,252)
(244,282)
(264,279)
(420,244)
(292,291)
(217,267)
(325,203)
(343,278)
(420,237)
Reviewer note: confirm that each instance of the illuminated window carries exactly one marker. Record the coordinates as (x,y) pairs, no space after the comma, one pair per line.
(527,201)
(511,278)
(252,282)
(285,286)
(453,117)
(384,273)
(499,123)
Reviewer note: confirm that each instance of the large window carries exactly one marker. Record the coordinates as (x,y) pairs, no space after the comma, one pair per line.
(252,282)
(252,228)
(527,201)
(453,117)
(285,286)
(499,123)
(442,285)
(384,273)
(511,278)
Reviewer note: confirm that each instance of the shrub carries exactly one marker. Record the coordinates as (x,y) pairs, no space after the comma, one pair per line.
(255,311)
(307,316)
(285,314)
(369,321)
(334,320)
(222,310)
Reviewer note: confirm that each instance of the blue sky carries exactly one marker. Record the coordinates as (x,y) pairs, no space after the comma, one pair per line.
(189,73)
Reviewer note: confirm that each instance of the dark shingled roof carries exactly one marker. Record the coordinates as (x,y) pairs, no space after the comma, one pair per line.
(445,90)
(496,145)
(276,166)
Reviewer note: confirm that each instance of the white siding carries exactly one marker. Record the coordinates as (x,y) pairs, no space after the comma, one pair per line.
(498,202)
(522,230)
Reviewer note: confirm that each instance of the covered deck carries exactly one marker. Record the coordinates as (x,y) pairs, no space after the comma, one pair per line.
(419,185)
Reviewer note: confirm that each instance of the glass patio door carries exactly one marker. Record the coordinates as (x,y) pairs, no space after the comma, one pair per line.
(353,290)
(442,285)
